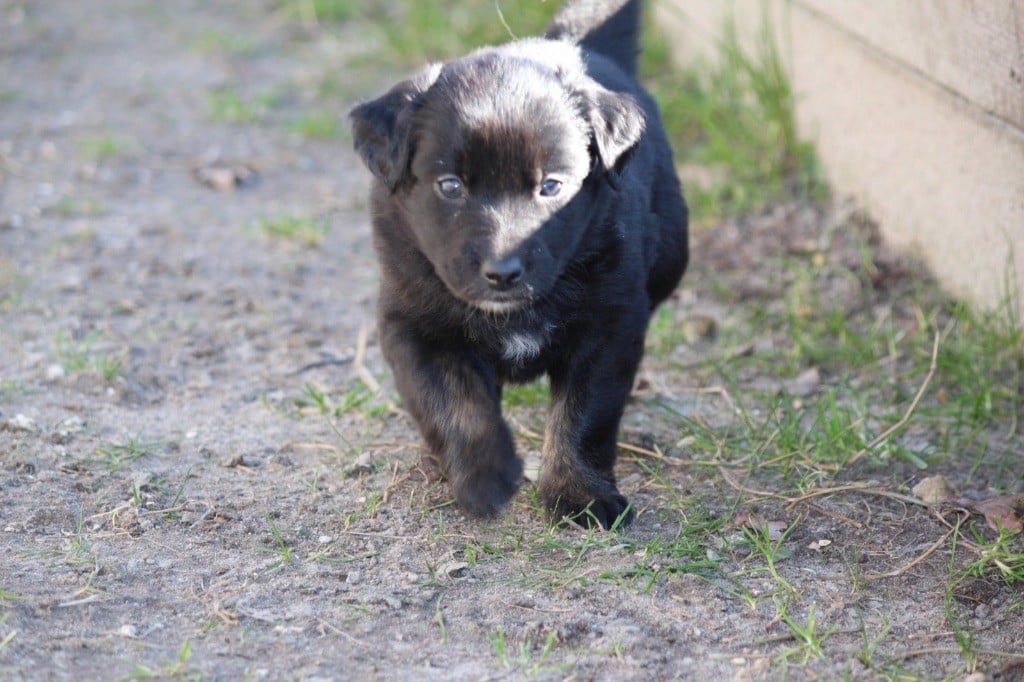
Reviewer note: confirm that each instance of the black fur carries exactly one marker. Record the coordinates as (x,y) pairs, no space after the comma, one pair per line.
(527,218)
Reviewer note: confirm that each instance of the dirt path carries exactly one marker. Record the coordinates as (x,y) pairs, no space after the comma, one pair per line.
(194,481)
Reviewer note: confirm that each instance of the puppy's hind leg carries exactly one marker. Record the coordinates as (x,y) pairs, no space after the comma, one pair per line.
(455,400)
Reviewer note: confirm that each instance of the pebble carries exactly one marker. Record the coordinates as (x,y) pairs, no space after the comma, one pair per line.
(19,422)
(699,328)
(455,569)
(933,490)
(363,464)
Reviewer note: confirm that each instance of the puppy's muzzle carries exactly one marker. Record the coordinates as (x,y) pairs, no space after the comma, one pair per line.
(503,274)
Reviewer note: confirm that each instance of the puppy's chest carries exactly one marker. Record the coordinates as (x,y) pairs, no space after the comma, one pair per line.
(520,347)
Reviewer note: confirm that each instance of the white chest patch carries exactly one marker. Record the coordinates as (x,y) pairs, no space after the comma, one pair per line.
(520,347)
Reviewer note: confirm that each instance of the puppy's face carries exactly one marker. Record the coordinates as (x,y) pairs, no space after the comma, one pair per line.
(486,158)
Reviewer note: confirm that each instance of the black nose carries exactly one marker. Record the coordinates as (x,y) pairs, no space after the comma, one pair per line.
(504,273)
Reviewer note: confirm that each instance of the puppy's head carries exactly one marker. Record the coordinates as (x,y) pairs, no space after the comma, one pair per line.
(486,157)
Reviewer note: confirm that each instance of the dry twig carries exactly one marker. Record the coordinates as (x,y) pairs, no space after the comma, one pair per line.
(880,438)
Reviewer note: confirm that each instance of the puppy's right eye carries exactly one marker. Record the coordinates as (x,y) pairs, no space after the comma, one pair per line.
(450,187)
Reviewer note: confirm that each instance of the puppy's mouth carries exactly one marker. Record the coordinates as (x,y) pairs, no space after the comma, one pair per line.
(500,306)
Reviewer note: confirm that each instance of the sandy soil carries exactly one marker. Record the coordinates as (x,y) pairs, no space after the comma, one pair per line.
(174,501)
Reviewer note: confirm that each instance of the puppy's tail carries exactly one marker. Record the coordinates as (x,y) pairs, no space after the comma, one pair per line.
(608,27)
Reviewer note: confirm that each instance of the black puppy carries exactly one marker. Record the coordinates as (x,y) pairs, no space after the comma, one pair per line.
(527,218)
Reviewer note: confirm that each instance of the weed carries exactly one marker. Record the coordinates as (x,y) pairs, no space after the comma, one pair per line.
(735,117)
(5,638)
(12,285)
(79,355)
(370,504)
(764,542)
(116,456)
(533,394)
(213,41)
(177,669)
(439,619)
(321,125)
(352,399)
(808,634)
(11,389)
(314,11)
(69,207)
(497,640)
(305,230)
(76,547)
(105,146)
(869,644)
(529,662)
(962,631)
(316,398)
(425,29)
(285,554)
(1003,556)
(227,105)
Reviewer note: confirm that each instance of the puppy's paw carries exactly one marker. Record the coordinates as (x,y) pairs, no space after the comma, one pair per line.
(599,503)
(486,490)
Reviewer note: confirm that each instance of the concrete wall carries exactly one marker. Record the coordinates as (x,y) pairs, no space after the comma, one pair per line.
(916,108)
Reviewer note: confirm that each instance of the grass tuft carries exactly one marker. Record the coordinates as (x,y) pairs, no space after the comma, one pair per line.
(321,125)
(734,119)
(80,356)
(302,229)
(227,105)
(105,146)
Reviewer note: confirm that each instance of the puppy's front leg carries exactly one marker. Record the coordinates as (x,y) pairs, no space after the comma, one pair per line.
(588,396)
(455,400)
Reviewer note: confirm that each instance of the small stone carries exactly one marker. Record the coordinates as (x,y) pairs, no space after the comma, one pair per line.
(19,422)
(55,373)
(362,465)
(233,461)
(531,468)
(455,569)
(933,490)
(72,424)
(805,384)
(142,480)
(699,328)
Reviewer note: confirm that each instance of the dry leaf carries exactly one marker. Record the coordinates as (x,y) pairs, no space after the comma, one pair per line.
(776,529)
(1005,511)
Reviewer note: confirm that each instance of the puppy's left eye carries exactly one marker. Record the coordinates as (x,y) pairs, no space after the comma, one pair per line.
(450,187)
(550,187)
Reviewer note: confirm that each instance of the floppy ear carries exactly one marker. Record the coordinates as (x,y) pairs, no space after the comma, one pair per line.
(616,122)
(380,128)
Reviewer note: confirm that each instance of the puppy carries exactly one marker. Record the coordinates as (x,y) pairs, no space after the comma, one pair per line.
(527,218)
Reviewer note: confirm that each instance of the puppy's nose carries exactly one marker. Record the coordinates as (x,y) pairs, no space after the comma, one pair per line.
(504,273)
